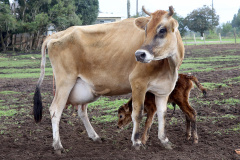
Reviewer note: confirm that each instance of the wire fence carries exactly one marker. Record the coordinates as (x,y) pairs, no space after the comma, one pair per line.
(193,40)
(24,42)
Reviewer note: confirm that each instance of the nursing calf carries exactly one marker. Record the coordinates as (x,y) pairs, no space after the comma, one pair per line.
(179,96)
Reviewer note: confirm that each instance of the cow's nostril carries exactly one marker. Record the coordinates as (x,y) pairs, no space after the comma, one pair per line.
(117,127)
(143,55)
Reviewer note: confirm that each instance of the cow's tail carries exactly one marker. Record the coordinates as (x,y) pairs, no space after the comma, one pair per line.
(37,107)
(198,84)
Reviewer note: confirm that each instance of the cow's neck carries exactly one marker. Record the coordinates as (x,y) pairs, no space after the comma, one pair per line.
(174,62)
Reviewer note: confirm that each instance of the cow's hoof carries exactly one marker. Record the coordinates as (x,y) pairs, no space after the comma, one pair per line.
(58,152)
(98,140)
(137,145)
(168,145)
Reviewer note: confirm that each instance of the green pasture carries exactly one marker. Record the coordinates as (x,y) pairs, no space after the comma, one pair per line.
(190,41)
(22,66)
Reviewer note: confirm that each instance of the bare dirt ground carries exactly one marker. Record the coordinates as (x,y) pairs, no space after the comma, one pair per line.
(217,139)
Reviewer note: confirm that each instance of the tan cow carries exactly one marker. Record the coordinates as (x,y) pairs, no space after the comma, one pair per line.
(101,58)
(179,96)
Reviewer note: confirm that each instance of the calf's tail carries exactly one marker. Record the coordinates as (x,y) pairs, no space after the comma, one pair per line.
(198,84)
(37,99)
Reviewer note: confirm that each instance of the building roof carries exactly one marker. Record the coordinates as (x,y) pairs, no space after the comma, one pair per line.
(104,15)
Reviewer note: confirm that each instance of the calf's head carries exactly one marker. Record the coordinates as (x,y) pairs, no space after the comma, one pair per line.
(160,36)
(124,116)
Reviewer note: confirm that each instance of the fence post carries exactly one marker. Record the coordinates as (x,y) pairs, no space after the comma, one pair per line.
(204,38)
(13,42)
(194,39)
(234,31)
(185,40)
(21,41)
(220,38)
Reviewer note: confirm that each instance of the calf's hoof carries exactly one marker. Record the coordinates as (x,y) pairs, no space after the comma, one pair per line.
(195,141)
(188,137)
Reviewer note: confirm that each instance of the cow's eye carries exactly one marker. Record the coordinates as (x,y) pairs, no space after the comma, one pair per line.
(120,116)
(162,30)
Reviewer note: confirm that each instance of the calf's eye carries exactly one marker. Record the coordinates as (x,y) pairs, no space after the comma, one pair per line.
(120,116)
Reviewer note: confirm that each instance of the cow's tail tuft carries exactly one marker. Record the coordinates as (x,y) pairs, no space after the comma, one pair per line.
(37,107)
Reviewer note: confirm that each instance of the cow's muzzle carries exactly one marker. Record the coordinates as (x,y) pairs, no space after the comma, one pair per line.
(140,56)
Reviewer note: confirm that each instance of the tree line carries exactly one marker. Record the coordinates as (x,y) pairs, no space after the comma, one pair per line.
(205,19)
(35,16)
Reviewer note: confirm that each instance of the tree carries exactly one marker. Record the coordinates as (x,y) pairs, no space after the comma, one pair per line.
(236,20)
(226,29)
(182,24)
(7,23)
(202,19)
(88,9)
(62,14)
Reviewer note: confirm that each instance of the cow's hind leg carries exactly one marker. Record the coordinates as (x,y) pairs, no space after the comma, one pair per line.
(63,89)
(82,112)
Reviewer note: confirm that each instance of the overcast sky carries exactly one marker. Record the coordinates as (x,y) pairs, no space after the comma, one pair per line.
(224,8)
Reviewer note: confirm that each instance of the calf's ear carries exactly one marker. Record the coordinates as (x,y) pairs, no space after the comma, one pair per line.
(141,22)
(126,108)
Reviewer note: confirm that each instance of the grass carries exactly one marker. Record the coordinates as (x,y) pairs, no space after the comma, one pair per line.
(230,101)
(108,111)
(209,41)
(22,66)
(212,86)
(9,92)
(8,113)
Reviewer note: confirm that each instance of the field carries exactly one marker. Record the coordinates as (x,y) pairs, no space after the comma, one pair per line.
(218,115)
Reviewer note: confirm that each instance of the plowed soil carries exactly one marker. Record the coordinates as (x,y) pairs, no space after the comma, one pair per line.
(218,124)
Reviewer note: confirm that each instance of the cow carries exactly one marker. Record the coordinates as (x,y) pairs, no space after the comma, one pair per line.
(179,96)
(134,55)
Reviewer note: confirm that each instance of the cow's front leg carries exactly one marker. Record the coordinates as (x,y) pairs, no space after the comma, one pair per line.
(138,96)
(161,103)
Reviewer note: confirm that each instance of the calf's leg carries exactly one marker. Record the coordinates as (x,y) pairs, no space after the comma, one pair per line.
(148,124)
(190,116)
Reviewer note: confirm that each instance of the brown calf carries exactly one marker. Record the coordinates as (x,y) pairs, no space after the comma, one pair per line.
(179,96)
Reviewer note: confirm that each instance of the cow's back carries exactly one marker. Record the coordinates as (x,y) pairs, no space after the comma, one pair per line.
(102,55)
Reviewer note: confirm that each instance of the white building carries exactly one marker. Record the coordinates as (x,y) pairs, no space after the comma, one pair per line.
(107,18)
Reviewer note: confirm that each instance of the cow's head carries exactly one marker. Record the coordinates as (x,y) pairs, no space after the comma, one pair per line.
(124,116)
(160,40)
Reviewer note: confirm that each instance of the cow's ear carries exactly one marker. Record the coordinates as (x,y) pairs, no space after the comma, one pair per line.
(141,22)
(174,25)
